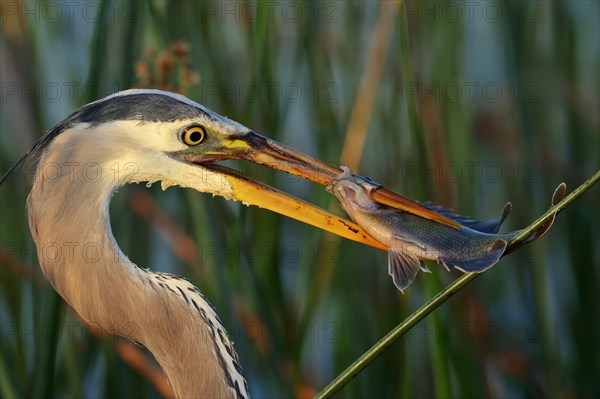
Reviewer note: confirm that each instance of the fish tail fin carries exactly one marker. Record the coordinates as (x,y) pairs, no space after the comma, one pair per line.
(559,194)
(479,264)
(403,267)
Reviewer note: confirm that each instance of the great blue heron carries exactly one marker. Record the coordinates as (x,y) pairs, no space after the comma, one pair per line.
(149,136)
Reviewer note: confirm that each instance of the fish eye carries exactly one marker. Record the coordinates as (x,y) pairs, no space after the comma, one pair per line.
(193,135)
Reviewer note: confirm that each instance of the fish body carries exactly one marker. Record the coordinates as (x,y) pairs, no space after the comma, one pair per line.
(473,247)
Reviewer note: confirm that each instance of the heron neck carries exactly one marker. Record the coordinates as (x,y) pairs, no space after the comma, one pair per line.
(69,221)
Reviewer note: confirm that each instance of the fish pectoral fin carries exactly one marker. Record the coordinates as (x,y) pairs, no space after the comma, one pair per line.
(478,264)
(403,267)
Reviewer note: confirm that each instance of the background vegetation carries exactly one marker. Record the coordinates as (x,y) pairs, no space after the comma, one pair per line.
(468,104)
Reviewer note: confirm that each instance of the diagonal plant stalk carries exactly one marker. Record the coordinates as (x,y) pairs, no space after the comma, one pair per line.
(363,361)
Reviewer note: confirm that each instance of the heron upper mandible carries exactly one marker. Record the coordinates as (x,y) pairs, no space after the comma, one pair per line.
(149,136)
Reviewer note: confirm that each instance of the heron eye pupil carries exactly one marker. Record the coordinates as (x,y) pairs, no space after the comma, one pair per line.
(195,136)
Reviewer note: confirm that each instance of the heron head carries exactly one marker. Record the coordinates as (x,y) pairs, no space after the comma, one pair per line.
(154,136)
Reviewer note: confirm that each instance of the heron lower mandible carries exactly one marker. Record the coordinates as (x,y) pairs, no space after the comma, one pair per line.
(149,136)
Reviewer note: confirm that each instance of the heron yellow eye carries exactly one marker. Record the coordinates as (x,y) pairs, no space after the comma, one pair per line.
(193,135)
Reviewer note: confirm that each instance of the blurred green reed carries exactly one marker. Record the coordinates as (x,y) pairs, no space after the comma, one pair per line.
(477,104)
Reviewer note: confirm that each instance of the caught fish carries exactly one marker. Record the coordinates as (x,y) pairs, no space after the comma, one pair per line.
(473,246)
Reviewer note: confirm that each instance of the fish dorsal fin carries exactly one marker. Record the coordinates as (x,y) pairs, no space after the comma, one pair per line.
(483,226)
(403,267)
